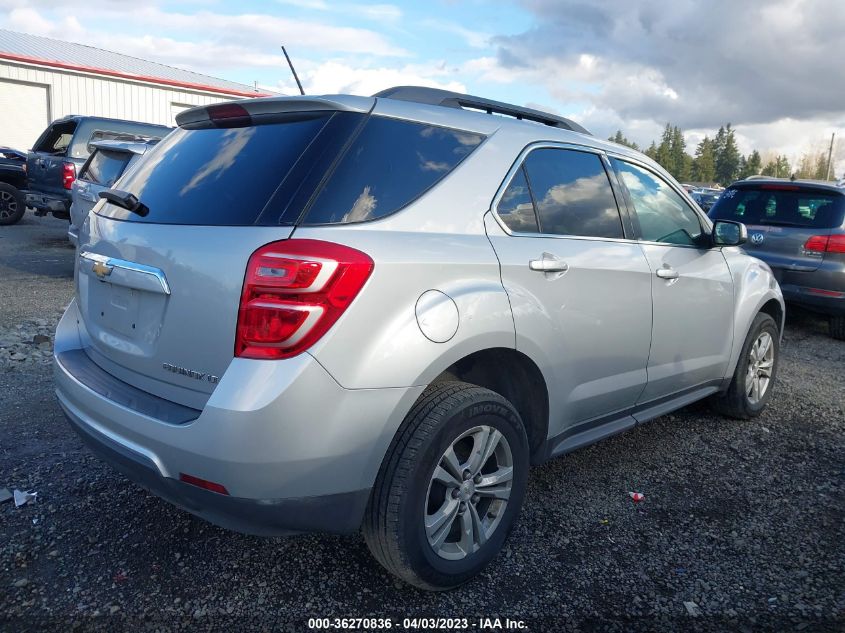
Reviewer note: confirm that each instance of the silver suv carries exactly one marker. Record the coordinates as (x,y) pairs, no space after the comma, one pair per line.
(340,313)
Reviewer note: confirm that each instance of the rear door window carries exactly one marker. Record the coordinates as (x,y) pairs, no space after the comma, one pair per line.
(216,176)
(516,209)
(780,205)
(572,193)
(662,214)
(390,163)
(105,167)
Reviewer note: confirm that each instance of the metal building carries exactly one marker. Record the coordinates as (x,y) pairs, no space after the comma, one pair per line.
(43,79)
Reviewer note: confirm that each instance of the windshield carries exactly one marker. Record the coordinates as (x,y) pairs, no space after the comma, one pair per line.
(780,205)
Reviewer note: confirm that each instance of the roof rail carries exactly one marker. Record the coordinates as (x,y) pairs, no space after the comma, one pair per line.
(435,96)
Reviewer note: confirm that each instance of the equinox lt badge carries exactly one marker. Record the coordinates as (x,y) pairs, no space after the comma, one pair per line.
(190,373)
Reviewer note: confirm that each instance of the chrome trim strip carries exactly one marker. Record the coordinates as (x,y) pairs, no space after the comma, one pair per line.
(127,265)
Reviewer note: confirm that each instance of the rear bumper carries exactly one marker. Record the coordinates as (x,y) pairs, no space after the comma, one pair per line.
(267,517)
(47,203)
(295,451)
(822,290)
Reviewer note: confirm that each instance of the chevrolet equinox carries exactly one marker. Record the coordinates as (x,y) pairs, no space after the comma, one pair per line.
(345,313)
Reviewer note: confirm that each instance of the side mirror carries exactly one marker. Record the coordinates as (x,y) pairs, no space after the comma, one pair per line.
(728,233)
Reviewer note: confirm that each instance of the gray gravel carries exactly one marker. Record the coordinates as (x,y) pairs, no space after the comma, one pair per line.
(741,528)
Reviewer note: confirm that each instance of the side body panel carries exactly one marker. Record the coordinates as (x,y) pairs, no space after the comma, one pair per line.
(754,286)
(693,319)
(588,329)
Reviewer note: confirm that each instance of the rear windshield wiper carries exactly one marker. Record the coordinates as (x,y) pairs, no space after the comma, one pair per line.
(125,200)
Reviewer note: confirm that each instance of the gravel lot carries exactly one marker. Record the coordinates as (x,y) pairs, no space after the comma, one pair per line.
(745,520)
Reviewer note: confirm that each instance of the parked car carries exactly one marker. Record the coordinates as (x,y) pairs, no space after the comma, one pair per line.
(12,184)
(339,313)
(706,198)
(798,228)
(64,147)
(107,162)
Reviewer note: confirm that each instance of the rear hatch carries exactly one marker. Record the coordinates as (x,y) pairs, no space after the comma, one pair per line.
(159,291)
(781,218)
(101,171)
(44,162)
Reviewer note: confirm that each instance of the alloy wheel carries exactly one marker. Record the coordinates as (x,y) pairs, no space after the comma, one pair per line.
(468,492)
(761,360)
(8,205)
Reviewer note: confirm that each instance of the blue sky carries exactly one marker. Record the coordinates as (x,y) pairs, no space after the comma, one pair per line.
(629,64)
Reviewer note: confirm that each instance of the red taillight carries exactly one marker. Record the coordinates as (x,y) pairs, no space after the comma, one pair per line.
(203,483)
(68,174)
(825,244)
(293,292)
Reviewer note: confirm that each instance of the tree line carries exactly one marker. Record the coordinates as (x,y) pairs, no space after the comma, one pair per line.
(718,160)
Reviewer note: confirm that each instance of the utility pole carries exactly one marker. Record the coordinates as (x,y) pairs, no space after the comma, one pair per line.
(301,91)
(830,156)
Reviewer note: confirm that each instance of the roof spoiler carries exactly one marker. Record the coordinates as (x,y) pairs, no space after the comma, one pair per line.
(448,99)
(268,108)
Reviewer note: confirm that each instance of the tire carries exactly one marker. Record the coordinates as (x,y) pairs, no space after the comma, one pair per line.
(12,204)
(737,402)
(406,494)
(837,327)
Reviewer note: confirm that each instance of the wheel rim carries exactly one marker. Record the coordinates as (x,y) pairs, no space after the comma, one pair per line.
(761,361)
(8,205)
(468,492)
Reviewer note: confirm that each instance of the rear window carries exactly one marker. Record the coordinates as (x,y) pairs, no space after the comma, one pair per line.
(215,176)
(390,163)
(272,173)
(105,167)
(780,206)
(56,138)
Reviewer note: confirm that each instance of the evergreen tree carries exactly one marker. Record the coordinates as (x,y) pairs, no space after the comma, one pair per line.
(718,145)
(678,150)
(664,150)
(753,165)
(651,152)
(622,140)
(704,165)
(727,159)
(777,168)
(820,172)
(743,164)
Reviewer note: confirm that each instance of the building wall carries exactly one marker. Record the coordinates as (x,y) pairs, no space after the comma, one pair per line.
(71,92)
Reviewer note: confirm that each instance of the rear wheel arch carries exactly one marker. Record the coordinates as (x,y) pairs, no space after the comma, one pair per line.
(518,379)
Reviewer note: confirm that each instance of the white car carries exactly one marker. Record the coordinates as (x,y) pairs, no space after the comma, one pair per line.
(107,163)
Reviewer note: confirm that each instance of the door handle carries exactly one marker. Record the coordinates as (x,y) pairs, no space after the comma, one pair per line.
(667,273)
(548,264)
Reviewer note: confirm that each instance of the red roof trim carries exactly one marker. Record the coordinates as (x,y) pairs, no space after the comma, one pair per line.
(122,75)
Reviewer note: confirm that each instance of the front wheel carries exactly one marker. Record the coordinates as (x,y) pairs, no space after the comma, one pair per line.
(756,370)
(450,488)
(12,204)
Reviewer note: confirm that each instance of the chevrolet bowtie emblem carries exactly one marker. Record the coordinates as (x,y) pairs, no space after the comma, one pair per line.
(101,270)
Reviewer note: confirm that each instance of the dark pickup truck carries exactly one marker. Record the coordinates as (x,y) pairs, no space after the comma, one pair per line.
(63,148)
(12,184)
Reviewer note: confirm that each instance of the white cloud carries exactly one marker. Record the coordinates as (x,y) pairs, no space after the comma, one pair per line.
(228,40)
(333,77)
(317,5)
(472,38)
